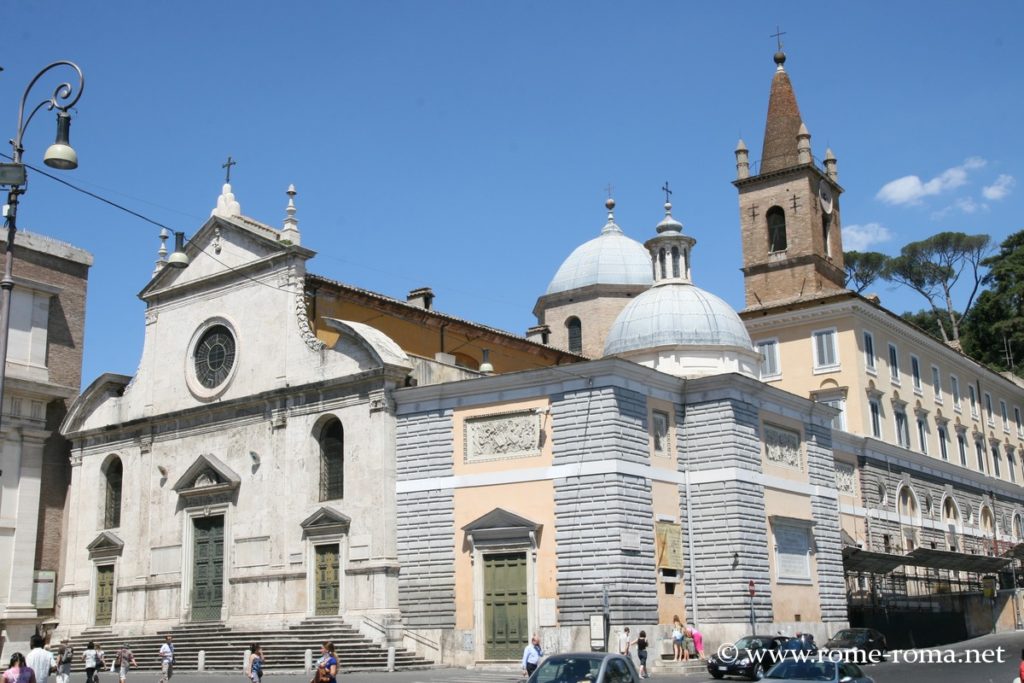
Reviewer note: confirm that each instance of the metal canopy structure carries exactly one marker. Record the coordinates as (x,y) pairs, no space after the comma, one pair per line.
(1016,552)
(859,560)
(947,559)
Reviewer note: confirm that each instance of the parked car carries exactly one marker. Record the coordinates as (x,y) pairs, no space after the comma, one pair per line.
(801,643)
(861,645)
(795,671)
(591,667)
(753,655)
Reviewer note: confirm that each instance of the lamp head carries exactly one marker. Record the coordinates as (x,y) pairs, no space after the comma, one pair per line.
(61,154)
(179,259)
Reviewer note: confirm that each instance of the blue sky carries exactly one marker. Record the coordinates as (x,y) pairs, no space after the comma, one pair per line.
(466,146)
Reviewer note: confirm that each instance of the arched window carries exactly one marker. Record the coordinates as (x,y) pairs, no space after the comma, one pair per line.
(112,503)
(661,262)
(1018,527)
(675,261)
(776,218)
(908,504)
(575,330)
(332,461)
(951,518)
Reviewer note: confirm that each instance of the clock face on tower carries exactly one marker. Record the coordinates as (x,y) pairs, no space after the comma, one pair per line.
(214,356)
(825,197)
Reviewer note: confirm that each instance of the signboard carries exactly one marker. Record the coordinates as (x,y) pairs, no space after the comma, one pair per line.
(43,589)
(596,632)
(668,545)
(751,589)
(988,585)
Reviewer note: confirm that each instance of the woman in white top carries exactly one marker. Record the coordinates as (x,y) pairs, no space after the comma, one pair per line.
(91,658)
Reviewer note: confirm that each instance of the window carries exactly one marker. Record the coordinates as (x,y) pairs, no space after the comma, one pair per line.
(979,448)
(869,351)
(922,435)
(973,396)
(915,372)
(951,517)
(792,552)
(661,262)
(961,444)
(1003,414)
(954,390)
(1016,418)
(876,419)
(936,385)
(575,329)
(659,432)
(839,403)
(988,409)
(902,428)
(776,218)
(996,460)
(894,364)
(332,461)
(825,355)
(675,261)
(943,439)
(112,504)
(1011,465)
(769,349)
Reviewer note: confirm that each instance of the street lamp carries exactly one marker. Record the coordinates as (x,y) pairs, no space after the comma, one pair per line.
(59,155)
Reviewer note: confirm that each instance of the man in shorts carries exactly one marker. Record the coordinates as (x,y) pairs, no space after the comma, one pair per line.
(167,659)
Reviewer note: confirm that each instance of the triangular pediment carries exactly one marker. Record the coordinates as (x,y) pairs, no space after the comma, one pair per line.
(107,544)
(325,521)
(500,518)
(206,475)
(225,248)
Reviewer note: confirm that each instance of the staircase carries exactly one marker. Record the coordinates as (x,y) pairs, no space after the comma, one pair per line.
(284,650)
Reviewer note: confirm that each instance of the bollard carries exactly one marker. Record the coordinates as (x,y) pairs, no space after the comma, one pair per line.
(245,659)
(202,660)
(308,660)
(391,658)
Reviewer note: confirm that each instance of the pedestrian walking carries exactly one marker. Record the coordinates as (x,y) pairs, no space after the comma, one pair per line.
(92,662)
(254,665)
(677,639)
(641,653)
(167,659)
(101,662)
(624,642)
(532,655)
(124,662)
(65,658)
(18,671)
(40,660)
(327,665)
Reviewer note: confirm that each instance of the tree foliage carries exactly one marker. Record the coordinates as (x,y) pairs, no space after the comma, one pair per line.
(995,331)
(863,268)
(933,266)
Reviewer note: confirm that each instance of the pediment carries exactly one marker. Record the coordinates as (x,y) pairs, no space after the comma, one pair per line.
(207,475)
(501,527)
(325,521)
(107,544)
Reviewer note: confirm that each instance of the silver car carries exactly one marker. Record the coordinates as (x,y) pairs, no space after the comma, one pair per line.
(586,667)
(796,671)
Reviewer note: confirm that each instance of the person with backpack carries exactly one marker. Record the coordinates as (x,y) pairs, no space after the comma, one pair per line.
(124,661)
(65,658)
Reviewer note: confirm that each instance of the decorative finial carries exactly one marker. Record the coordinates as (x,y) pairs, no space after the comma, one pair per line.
(228,164)
(780,56)
(668,194)
(610,225)
(290,233)
(161,254)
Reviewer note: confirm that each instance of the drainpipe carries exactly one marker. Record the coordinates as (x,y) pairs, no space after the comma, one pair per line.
(691,548)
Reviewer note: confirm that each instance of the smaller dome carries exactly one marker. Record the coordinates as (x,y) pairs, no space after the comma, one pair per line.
(611,258)
(676,315)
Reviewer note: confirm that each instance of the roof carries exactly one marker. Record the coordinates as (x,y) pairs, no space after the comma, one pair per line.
(781,126)
(856,559)
(611,258)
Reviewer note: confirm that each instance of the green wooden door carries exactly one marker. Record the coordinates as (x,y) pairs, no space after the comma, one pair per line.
(207,568)
(328,593)
(505,618)
(104,594)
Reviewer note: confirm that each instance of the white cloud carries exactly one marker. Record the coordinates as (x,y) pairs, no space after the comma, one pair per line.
(910,189)
(968,205)
(862,237)
(1000,188)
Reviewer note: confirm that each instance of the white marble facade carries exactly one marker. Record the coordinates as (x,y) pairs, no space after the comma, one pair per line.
(224,418)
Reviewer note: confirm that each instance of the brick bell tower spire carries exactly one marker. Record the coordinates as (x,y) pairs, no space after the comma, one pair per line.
(789,209)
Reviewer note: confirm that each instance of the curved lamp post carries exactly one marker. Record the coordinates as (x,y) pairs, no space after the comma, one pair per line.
(59,155)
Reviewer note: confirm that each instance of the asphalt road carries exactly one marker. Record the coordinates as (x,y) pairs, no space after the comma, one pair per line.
(1002,653)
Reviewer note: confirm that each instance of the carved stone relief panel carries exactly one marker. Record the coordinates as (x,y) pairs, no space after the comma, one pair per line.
(844,478)
(503,436)
(782,446)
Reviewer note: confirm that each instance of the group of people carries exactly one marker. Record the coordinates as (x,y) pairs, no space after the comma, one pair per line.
(40,662)
(687,641)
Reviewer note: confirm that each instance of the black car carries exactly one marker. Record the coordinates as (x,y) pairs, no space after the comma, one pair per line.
(749,657)
(860,645)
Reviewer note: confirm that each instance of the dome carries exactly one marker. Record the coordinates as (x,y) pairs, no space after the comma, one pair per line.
(611,258)
(676,315)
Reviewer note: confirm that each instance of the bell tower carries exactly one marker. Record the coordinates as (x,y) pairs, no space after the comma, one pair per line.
(789,209)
